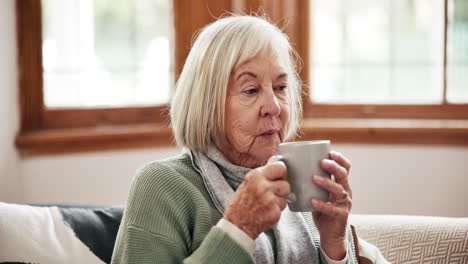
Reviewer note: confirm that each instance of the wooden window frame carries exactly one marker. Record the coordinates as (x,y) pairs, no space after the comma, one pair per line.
(52,131)
(434,124)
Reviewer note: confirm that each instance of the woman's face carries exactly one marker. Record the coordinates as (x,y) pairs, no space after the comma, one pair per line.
(256,110)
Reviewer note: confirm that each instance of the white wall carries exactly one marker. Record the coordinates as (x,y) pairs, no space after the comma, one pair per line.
(417,180)
(99,178)
(9,181)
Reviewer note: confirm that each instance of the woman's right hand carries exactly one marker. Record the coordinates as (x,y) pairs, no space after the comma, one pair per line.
(257,204)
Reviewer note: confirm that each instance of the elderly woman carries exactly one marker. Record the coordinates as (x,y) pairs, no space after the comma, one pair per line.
(237,98)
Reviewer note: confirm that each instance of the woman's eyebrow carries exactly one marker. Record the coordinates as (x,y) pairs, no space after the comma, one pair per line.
(281,75)
(251,74)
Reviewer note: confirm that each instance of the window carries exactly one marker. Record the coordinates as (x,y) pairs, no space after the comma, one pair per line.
(86,73)
(457,53)
(384,71)
(106,53)
(388,52)
(412,63)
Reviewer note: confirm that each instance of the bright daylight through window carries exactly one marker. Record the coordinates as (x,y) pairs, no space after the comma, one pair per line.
(106,53)
(388,51)
(457,66)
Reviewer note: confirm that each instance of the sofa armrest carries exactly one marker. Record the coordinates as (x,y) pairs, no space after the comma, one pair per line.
(415,239)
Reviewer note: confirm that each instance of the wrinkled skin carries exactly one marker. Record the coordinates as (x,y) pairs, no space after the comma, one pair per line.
(256,112)
(259,200)
(331,218)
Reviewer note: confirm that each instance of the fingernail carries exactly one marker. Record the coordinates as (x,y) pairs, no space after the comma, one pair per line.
(314,203)
(317,178)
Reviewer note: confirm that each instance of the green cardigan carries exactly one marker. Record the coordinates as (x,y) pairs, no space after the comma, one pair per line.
(170,218)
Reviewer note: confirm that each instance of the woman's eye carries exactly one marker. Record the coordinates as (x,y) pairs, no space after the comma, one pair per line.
(251,91)
(281,88)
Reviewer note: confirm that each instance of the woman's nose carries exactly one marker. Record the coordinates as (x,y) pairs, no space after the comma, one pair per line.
(270,104)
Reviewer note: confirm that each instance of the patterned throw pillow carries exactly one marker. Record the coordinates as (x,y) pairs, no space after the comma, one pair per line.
(63,234)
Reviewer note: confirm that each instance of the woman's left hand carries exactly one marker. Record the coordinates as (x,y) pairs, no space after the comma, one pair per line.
(331,218)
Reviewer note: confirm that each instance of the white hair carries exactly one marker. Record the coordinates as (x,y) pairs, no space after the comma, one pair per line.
(198,106)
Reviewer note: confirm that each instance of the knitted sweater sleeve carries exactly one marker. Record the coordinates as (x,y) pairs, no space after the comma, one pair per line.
(163,216)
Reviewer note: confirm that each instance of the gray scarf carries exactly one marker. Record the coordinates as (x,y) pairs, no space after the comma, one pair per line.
(294,243)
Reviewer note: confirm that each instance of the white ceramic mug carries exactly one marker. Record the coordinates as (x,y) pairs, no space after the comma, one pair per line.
(303,159)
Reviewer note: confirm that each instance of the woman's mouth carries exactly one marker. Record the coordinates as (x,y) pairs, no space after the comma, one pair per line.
(269,133)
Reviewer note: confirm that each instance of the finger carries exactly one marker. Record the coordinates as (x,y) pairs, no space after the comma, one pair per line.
(273,215)
(329,208)
(340,159)
(275,171)
(259,187)
(326,183)
(268,200)
(274,158)
(282,202)
(340,173)
(281,188)
(345,186)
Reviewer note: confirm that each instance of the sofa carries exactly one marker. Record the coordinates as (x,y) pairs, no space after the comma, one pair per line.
(415,239)
(86,234)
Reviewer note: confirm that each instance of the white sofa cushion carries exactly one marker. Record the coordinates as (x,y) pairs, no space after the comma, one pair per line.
(415,239)
(30,234)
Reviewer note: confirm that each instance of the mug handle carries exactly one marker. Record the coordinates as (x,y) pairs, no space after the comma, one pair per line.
(291,197)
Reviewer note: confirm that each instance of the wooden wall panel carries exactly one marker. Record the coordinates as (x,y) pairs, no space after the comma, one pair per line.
(189,18)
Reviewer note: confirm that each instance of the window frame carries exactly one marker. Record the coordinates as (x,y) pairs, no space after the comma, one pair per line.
(444,110)
(411,124)
(45,130)
(55,131)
